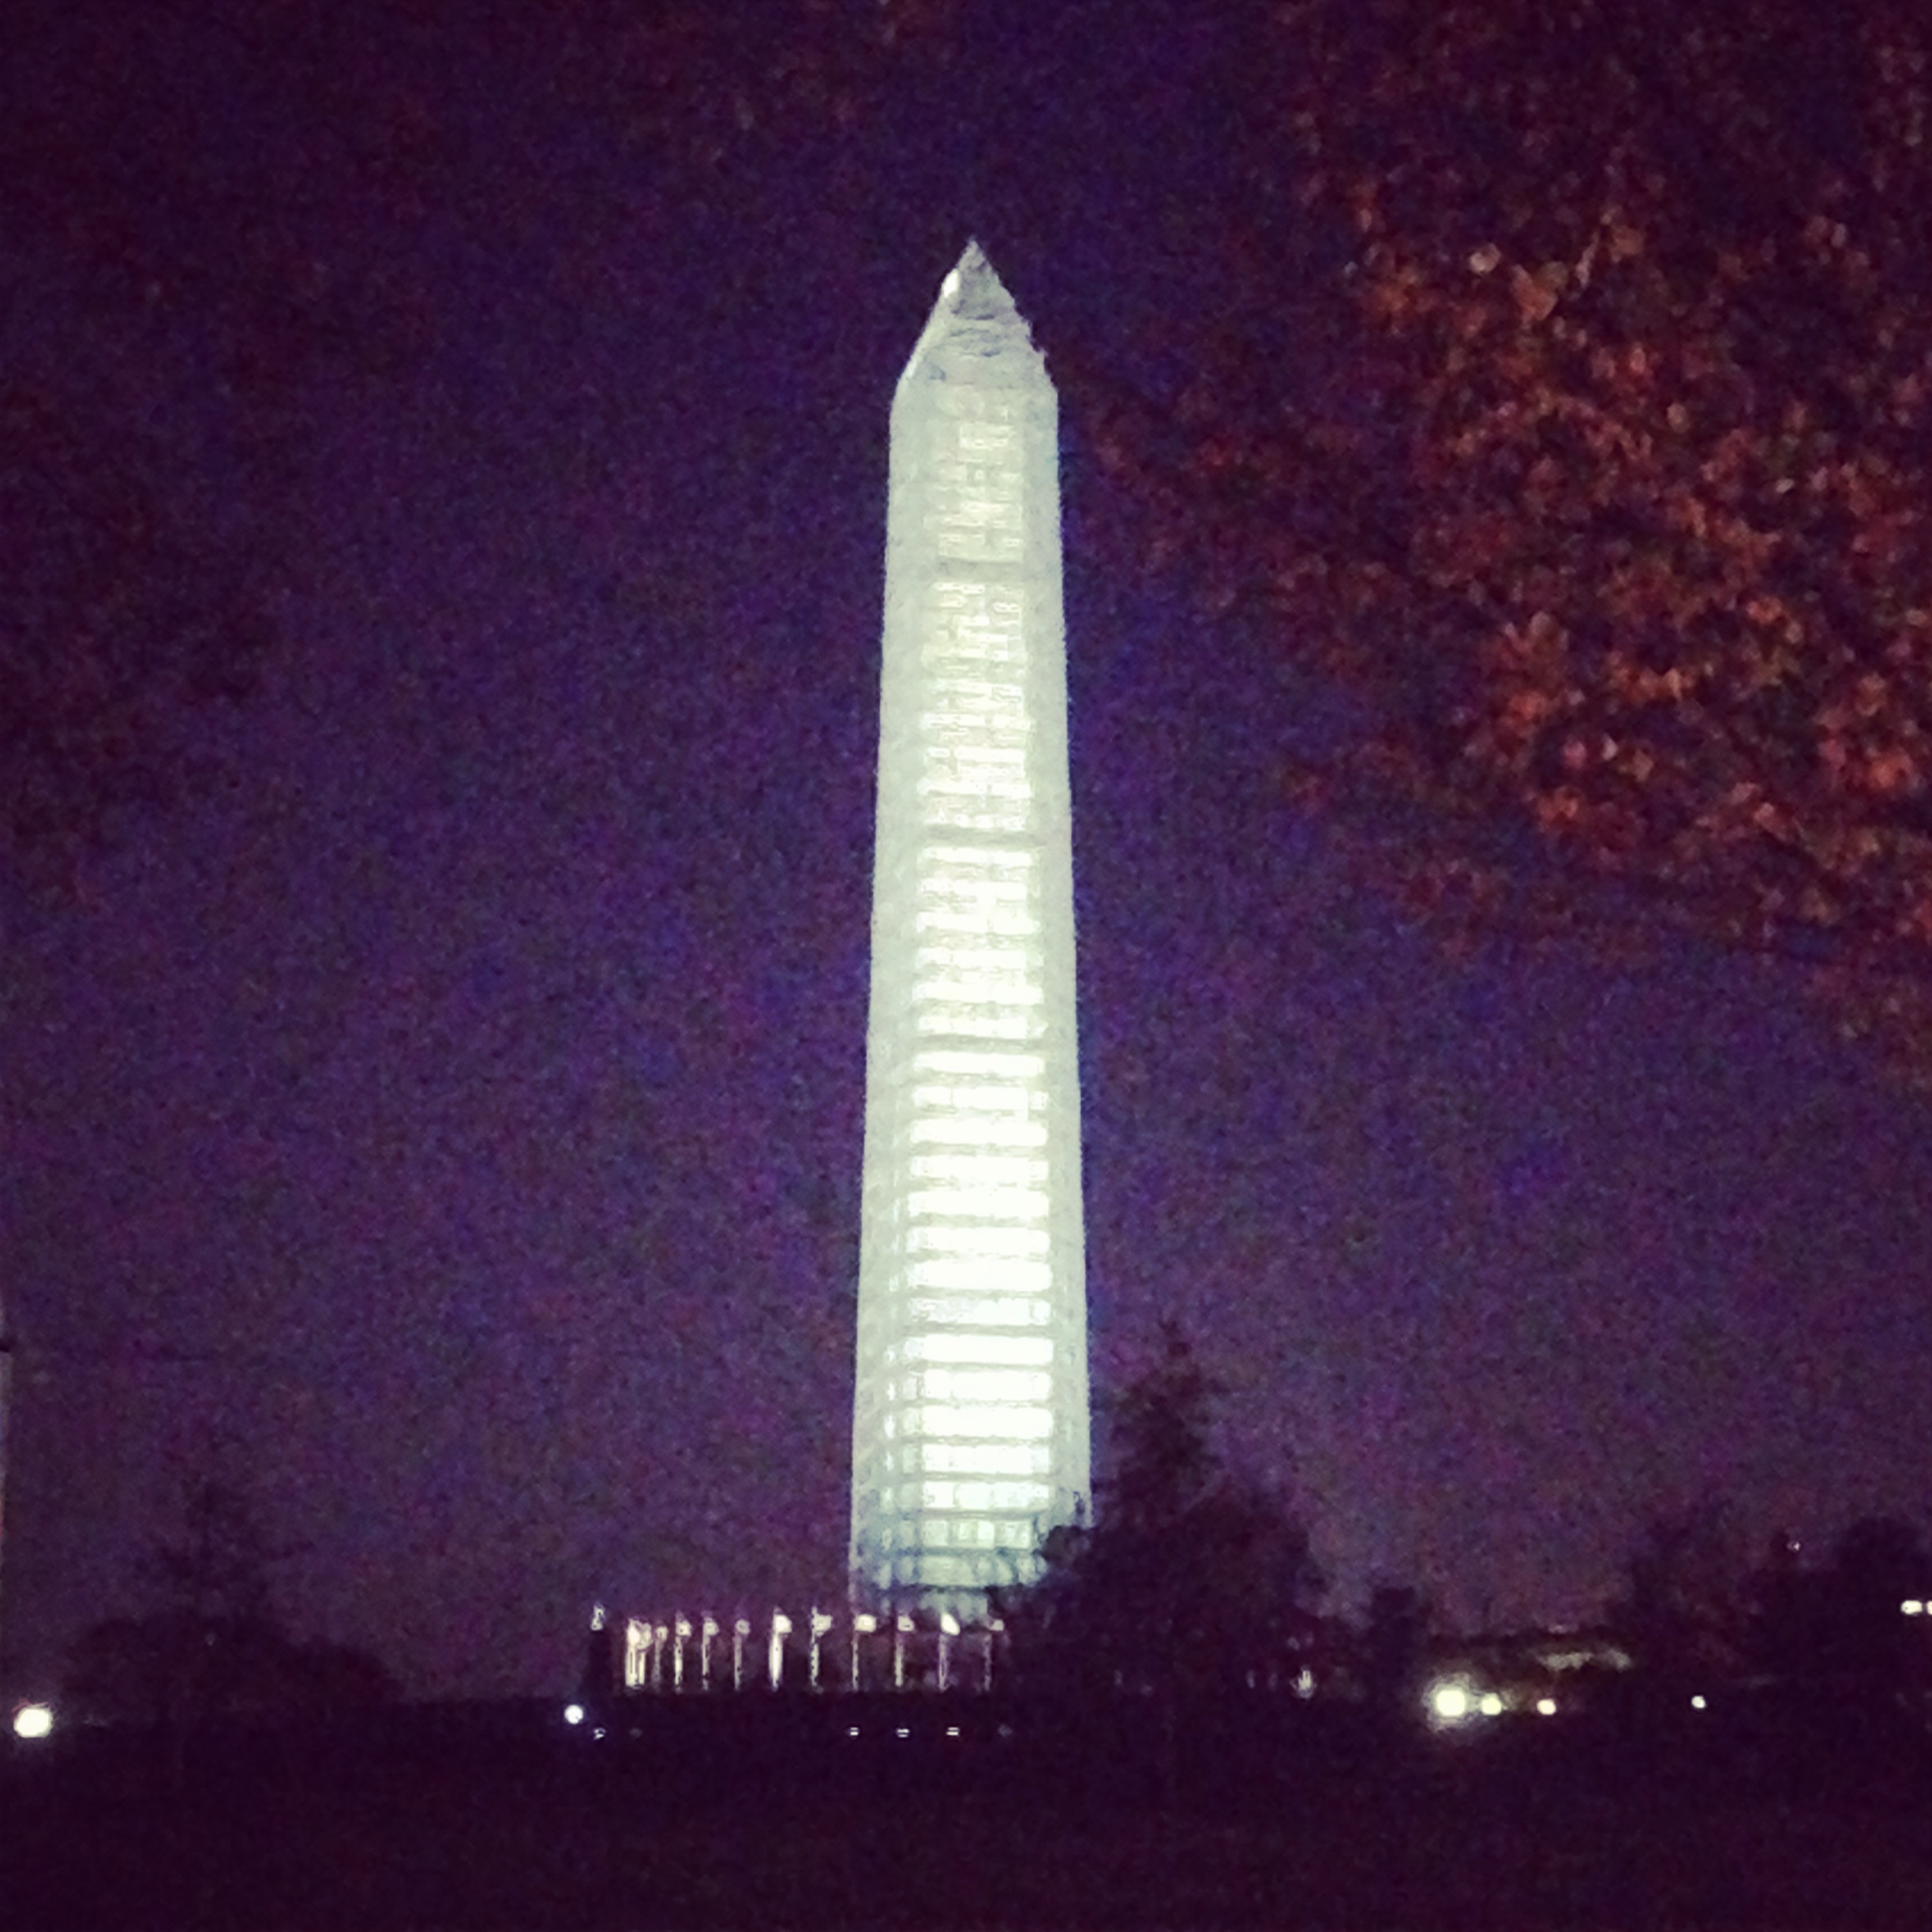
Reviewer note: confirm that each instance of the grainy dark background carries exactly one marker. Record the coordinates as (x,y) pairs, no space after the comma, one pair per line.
(449,1110)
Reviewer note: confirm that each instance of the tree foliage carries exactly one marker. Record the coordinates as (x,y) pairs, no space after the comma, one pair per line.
(1193,1579)
(1683,1606)
(1841,1620)
(173,301)
(1391,1648)
(215,1646)
(1693,1613)
(1608,501)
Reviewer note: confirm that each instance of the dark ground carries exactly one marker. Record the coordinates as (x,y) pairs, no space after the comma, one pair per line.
(773,1814)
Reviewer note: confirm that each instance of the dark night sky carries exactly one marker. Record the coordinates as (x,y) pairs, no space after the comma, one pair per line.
(457,1104)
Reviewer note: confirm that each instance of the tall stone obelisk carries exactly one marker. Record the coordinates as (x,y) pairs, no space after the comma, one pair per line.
(970,1426)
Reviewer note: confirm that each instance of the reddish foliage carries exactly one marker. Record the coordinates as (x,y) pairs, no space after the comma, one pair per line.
(1615,504)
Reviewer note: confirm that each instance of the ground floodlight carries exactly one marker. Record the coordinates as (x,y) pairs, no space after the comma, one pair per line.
(33,1720)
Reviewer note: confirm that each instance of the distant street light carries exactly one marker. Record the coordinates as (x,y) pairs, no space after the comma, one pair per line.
(33,1720)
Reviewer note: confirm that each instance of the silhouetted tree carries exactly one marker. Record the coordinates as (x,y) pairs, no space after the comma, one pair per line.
(1786,1619)
(1841,1622)
(1392,1648)
(218,1567)
(1877,1564)
(1192,1579)
(215,1647)
(1598,480)
(1681,1610)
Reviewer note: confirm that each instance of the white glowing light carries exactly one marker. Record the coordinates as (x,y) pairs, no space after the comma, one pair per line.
(979,1312)
(1020,1066)
(961,1200)
(971,1236)
(970,1023)
(1698,1703)
(1450,1702)
(1546,1707)
(962,1422)
(1912,1606)
(946,1238)
(573,1713)
(1492,1705)
(987,1275)
(972,1333)
(986,1459)
(972,1099)
(983,1385)
(1023,1351)
(33,1720)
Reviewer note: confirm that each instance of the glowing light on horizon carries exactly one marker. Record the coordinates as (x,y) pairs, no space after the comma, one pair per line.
(33,1721)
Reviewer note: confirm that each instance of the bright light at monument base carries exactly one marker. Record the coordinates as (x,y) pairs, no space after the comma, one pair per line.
(33,1720)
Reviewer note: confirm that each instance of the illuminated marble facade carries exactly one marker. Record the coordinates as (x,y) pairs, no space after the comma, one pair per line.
(970,1430)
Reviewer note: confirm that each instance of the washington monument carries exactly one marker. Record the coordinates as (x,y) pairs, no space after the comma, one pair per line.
(970,1424)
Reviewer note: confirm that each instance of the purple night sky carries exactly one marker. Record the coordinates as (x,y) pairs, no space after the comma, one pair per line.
(457,1103)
